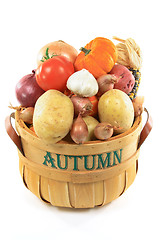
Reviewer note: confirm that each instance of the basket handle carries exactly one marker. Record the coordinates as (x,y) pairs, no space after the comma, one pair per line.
(146,129)
(12,133)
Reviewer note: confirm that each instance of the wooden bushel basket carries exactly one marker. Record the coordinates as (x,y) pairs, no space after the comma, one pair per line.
(78,176)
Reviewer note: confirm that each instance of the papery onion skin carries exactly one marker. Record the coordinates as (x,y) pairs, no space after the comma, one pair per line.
(28,91)
(103,131)
(138,105)
(79,130)
(106,83)
(27,115)
(81,105)
(59,48)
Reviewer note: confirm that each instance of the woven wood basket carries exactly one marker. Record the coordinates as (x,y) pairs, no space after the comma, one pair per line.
(78,176)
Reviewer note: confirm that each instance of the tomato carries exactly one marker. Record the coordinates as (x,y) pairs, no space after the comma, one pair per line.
(67,92)
(94,101)
(54,73)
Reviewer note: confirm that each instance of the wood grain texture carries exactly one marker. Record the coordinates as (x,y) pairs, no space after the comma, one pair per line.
(78,180)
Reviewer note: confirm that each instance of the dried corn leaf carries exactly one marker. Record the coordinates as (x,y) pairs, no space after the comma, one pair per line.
(129,53)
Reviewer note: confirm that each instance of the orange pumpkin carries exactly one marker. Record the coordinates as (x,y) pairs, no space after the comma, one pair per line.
(98,57)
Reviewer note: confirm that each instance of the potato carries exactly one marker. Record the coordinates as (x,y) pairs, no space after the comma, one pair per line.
(126,79)
(91,124)
(116,108)
(53,116)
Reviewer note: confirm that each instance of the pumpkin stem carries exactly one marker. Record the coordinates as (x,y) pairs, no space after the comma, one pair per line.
(86,51)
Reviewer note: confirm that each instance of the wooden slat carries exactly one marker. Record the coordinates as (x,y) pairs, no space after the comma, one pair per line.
(21,167)
(58,193)
(99,193)
(113,187)
(130,175)
(44,191)
(32,181)
(82,195)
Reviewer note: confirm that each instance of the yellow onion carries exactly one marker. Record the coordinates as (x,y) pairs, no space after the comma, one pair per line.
(59,48)
(106,83)
(138,105)
(81,105)
(79,131)
(27,115)
(103,131)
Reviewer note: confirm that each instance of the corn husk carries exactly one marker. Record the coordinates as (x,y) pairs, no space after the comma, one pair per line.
(129,53)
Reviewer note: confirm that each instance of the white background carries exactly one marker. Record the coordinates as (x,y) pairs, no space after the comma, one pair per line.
(25,27)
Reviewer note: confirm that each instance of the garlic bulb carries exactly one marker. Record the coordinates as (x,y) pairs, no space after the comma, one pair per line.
(83,83)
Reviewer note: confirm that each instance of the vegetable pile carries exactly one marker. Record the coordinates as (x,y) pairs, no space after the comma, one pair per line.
(82,96)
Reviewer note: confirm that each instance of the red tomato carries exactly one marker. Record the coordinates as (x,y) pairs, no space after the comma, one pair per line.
(67,92)
(54,73)
(94,101)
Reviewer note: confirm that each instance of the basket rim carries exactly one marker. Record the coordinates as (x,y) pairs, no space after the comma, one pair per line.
(135,124)
(26,133)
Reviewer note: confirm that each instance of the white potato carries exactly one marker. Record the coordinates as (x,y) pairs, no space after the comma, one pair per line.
(53,116)
(116,108)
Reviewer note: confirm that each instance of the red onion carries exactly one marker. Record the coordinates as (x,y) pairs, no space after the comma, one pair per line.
(81,105)
(28,91)
(79,131)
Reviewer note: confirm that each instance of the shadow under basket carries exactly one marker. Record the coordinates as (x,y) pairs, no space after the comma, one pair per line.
(78,176)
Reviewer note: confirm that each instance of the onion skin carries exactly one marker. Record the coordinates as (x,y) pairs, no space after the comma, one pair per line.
(27,115)
(28,91)
(106,83)
(58,48)
(138,105)
(79,130)
(103,131)
(82,106)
